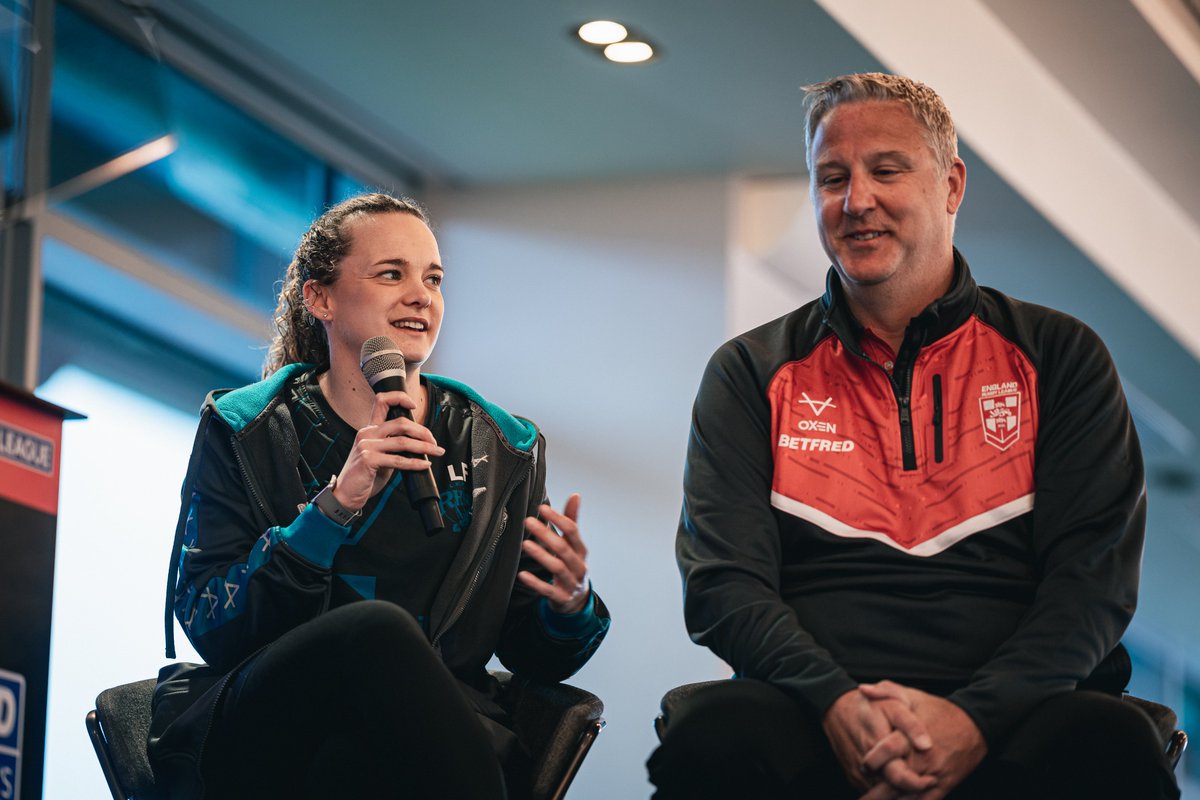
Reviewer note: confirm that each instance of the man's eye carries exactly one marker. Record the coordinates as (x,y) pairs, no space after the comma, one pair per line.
(436,280)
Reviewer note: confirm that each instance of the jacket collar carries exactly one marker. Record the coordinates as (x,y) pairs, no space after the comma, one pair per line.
(938,319)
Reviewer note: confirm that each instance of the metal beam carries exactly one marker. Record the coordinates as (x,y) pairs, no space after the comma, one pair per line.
(20,263)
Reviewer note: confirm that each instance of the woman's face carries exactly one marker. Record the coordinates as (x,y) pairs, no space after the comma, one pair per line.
(388,284)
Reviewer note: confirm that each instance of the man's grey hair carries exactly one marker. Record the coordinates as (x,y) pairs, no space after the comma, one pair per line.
(924,103)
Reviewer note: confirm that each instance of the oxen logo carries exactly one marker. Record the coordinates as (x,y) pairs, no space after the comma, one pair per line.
(1000,408)
(817,406)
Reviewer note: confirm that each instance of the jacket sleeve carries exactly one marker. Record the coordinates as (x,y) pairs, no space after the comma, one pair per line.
(1088,527)
(728,545)
(537,642)
(242,580)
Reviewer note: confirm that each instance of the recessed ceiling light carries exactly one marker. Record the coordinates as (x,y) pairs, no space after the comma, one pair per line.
(629,52)
(602,31)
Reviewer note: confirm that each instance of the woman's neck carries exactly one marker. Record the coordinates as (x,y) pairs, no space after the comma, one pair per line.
(352,399)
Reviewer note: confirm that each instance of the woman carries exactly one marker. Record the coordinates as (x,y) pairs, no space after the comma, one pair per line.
(346,646)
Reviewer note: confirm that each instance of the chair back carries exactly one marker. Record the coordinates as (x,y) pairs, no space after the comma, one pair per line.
(557,722)
(118,728)
(1166,722)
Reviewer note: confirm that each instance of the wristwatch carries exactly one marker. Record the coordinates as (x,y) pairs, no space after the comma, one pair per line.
(330,507)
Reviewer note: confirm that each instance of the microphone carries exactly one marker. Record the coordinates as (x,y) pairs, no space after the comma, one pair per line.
(382,365)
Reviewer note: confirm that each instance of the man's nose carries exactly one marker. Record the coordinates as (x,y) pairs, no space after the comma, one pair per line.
(860,196)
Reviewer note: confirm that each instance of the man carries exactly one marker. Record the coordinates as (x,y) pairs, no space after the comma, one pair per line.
(913,513)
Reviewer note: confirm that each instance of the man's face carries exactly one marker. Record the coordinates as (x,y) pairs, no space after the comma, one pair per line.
(884,206)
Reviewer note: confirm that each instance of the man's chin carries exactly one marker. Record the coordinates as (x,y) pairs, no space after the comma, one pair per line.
(862,272)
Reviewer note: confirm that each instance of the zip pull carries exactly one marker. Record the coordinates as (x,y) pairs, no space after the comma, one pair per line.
(908,450)
(938,454)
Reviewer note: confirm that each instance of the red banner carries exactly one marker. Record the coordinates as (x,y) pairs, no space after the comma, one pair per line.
(30,444)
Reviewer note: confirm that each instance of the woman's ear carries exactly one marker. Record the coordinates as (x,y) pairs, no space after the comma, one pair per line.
(316,300)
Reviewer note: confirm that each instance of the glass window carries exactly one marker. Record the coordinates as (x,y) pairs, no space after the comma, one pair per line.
(210,201)
(15,31)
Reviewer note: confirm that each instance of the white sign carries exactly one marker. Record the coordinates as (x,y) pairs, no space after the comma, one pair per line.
(12,723)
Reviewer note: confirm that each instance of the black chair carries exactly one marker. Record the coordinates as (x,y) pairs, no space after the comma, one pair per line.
(557,722)
(1167,724)
(1164,719)
(118,727)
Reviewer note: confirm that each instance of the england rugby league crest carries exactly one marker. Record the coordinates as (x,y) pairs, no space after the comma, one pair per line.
(1000,408)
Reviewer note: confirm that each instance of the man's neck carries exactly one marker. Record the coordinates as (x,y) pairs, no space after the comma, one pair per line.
(886,309)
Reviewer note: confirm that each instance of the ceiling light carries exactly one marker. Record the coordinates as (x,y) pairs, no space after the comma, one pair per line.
(616,42)
(629,52)
(601,32)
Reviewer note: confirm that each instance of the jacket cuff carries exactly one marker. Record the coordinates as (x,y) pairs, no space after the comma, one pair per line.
(314,536)
(583,624)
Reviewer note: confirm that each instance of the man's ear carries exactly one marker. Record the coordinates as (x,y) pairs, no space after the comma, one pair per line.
(956,183)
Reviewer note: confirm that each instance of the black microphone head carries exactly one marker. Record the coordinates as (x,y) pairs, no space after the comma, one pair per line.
(380,359)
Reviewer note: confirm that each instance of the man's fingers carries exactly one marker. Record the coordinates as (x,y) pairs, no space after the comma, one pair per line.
(904,720)
(897,703)
(884,690)
(894,745)
(898,774)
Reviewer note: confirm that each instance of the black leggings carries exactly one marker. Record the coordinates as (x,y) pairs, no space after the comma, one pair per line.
(354,704)
(748,740)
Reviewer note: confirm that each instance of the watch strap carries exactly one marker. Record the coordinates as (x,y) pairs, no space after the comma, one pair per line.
(328,503)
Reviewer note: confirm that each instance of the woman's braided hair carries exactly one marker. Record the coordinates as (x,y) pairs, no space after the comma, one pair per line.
(299,337)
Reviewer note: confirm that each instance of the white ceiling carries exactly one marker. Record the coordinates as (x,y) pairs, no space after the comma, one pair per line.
(483,93)
(1074,113)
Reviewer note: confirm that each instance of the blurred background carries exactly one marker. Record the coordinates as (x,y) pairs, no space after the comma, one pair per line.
(604,227)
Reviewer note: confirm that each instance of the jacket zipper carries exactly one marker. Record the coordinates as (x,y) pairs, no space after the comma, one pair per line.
(938,453)
(906,360)
(484,562)
(903,390)
(461,606)
(237,455)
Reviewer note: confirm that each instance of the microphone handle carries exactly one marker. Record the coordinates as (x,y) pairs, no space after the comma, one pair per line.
(421,488)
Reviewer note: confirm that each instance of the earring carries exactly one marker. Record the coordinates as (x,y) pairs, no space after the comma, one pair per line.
(326,315)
